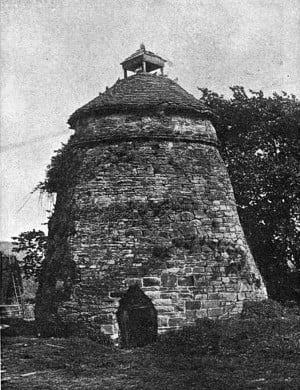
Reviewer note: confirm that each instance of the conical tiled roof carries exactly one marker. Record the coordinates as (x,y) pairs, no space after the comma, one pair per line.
(140,92)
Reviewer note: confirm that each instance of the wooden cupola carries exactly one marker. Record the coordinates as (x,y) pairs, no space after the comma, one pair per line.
(143,61)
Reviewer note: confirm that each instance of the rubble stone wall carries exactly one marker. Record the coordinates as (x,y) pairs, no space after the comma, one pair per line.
(152,204)
(155,206)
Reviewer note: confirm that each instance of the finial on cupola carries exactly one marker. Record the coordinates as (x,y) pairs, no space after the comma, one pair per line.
(143,61)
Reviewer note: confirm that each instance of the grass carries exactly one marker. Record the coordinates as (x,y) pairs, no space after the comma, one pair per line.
(249,353)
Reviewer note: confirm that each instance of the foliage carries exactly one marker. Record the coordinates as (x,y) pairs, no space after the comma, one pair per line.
(260,144)
(29,289)
(202,338)
(33,245)
(260,321)
(63,170)
(19,327)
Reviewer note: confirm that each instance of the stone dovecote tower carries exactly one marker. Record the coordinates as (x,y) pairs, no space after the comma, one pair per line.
(143,200)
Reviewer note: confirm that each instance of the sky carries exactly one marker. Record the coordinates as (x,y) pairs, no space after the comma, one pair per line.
(57,55)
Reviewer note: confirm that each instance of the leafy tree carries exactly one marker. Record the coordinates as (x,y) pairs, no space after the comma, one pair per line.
(260,144)
(32,245)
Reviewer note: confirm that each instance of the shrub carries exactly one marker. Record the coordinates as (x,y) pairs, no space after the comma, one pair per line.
(202,338)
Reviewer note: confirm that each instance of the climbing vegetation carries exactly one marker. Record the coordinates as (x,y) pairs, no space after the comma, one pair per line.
(260,144)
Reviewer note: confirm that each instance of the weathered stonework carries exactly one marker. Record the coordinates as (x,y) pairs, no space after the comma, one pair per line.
(152,204)
(143,199)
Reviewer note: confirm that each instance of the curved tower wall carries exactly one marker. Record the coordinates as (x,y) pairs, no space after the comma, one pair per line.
(152,204)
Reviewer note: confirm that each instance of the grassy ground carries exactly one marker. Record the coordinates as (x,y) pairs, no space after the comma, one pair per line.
(255,353)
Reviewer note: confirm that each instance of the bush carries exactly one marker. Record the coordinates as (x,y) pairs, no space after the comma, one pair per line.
(19,327)
(202,338)
(260,325)
(263,309)
(88,330)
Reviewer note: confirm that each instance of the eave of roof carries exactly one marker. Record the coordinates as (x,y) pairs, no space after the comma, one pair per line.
(142,52)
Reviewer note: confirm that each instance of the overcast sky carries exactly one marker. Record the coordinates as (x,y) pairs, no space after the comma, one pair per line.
(59,54)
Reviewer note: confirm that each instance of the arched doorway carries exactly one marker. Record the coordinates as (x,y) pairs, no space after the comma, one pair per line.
(137,319)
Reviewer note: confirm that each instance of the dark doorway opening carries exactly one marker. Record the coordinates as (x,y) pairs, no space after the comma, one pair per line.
(137,319)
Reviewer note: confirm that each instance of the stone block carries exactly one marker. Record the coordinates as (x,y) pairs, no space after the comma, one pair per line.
(185,294)
(201,282)
(133,281)
(202,313)
(107,329)
(162,330)
(186,280)
(190,315)
(116,294)
(162,302)
(228,296)
(164,309)
(151,281)
(174,270)
(179,306)
(203,289)
(230,289)
(187,216)
(215,312)
(225,279)
(152,288)
(213,296)
(199,214)
(103,319)
(110,262)
(201,297)
(211,304)
(193,305)
(199,270)
(168,280)
(241,296)
(244,286)
(170,295)
(162,321)
(218,288)
(153,294)
(177,321)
